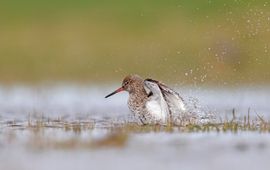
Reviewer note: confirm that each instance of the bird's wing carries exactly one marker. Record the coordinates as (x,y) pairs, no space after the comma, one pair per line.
(175,102)
(156,101)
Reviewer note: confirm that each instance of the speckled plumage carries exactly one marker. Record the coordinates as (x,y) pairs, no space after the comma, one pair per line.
(151,101)
(137,99)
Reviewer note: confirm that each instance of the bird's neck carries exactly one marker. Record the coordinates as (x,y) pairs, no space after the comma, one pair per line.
(138,93)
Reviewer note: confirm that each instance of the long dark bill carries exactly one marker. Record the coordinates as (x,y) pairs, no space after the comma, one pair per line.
(116,91)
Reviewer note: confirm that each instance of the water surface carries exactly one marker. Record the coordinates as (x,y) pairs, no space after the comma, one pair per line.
(25,147)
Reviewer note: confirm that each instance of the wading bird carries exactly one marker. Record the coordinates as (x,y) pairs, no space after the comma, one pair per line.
(151,101)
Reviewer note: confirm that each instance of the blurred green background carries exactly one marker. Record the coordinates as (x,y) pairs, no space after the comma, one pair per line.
(178,41)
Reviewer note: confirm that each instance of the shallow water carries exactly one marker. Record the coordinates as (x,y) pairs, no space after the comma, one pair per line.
(142,151)
(18,102)
(26,148)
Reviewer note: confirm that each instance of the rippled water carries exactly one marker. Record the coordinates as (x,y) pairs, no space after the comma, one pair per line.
(244,150)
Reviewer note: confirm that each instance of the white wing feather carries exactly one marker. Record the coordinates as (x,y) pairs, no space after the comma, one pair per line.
(156,104)
(174,101)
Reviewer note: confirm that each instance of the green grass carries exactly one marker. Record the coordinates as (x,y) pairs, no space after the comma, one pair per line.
(117,133)
(235,124)
(104,40)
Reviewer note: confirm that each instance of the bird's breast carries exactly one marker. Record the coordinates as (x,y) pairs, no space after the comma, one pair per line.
(135,105)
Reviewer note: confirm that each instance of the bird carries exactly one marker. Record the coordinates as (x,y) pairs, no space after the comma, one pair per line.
(151,101)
